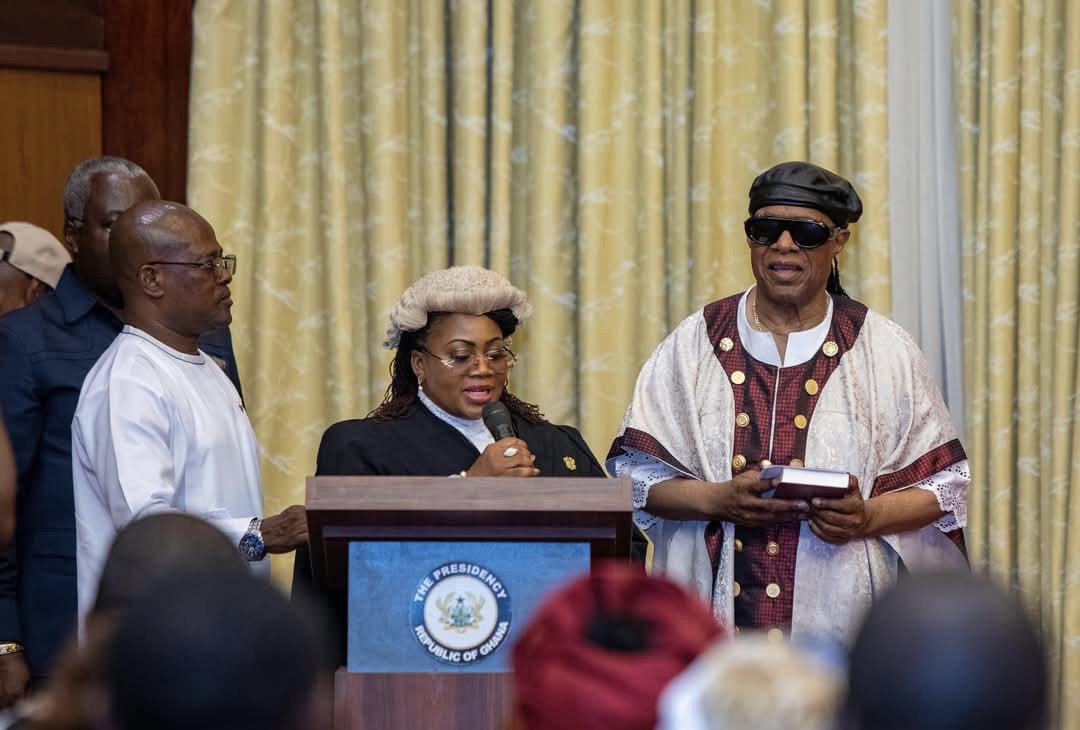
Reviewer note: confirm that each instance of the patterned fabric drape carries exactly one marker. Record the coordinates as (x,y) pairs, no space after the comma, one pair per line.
(598,152)
(1018,97)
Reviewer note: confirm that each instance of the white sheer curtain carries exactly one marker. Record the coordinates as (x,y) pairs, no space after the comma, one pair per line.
(924,200)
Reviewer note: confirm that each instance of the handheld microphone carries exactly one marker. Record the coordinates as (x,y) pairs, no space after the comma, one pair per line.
(497,420)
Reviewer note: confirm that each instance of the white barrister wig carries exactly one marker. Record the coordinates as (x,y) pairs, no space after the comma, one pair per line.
(458,290)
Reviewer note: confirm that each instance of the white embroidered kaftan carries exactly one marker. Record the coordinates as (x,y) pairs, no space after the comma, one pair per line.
(854,394)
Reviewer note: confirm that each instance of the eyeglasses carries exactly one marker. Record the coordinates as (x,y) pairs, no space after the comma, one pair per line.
(499,360)
(805,233)
(218,265)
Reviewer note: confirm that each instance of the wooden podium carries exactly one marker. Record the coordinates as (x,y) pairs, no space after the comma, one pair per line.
(342,510)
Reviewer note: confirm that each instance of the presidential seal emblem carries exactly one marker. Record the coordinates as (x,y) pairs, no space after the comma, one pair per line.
(460,613)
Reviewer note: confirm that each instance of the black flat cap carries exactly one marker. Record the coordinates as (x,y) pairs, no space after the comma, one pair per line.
(805,185)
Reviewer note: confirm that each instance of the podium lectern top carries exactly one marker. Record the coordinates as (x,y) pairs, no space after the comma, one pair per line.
(561,494)
(343,509)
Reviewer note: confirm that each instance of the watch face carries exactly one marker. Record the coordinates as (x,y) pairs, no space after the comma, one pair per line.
(251,547)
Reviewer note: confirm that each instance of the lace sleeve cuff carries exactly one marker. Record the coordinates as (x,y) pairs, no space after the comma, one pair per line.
(644,471)
(950,488)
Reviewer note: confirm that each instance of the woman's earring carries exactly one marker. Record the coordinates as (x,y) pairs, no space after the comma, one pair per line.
(420,382)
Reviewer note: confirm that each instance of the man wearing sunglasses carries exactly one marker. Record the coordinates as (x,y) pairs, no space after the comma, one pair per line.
(793,372)
(158,426)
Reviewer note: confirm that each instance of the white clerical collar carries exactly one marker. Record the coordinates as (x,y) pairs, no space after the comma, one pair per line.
(196,359)
(472,429)
(801,346)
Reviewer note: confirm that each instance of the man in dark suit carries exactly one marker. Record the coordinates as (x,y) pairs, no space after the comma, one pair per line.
(46,350)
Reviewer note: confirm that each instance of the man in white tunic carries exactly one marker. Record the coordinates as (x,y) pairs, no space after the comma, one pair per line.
(793,371)
(159,426)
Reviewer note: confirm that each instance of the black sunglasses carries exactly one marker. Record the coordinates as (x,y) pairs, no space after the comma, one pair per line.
(805,233)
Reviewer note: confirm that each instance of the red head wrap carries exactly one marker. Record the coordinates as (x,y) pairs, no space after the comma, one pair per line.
(598,651)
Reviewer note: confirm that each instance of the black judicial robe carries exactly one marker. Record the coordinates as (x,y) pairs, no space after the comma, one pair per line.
(419,444)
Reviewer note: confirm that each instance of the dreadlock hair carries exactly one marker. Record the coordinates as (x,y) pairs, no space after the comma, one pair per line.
(833,284)
(402,392)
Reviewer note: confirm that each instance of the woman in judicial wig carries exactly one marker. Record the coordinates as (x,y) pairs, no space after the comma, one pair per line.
(451,332)
(451,335)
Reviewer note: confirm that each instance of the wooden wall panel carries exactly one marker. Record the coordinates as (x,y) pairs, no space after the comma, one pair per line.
(145,92)
(49,122)
(50,58)
(52,23)
(80,78)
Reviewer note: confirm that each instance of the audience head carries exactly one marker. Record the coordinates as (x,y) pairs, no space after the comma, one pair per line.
(31,262)
(216,650)
(145,553)
(155,547)
(96,193)
(598,652)
(451,332)
(171,270)
(947,652)
(753,683)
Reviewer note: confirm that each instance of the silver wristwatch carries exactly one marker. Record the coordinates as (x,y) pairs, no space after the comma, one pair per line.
(252,546)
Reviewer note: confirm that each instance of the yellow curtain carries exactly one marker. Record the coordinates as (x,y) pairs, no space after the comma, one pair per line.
(599,152)
(1018,97)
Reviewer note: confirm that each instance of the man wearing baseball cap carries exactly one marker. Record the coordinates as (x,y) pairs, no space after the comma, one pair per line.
(31,262)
